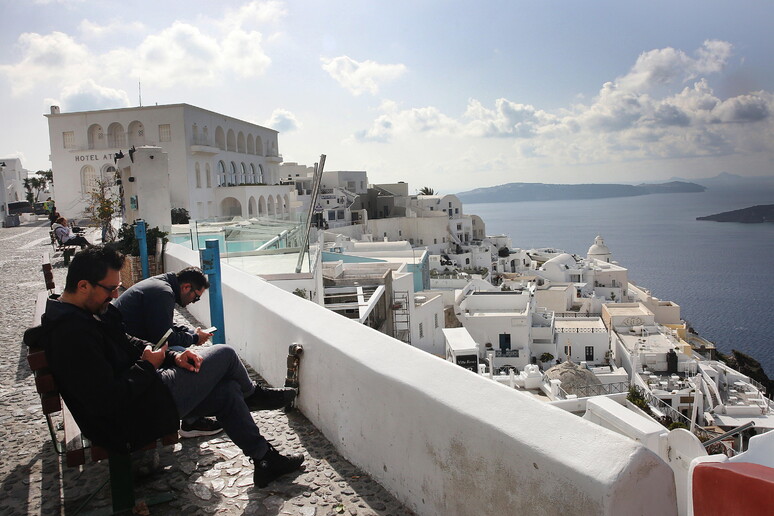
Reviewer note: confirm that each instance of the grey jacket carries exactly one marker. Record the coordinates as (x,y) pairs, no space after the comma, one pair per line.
(148,308)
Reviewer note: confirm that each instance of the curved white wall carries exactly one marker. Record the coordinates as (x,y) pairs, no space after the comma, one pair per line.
(442,439)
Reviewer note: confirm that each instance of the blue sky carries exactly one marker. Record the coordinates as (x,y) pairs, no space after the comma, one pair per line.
(452,95)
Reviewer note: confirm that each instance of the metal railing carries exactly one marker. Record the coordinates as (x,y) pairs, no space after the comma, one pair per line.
(586,391)
(674,414)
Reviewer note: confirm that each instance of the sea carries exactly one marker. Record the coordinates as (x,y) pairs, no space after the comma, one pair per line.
(721,274)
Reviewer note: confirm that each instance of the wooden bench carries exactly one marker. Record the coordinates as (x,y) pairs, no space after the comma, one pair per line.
(68,441)
(67,250)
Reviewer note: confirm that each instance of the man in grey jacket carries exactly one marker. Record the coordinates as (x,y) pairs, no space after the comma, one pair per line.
(148,308)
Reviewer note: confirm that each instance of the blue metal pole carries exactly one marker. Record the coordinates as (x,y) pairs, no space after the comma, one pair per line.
(210,260)
(142,241)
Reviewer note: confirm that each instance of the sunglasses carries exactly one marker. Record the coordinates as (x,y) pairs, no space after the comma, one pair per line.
(109,290)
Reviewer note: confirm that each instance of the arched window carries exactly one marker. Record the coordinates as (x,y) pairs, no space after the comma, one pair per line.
(206,136)
(221,173)
(220,138)
(198,175)
(258,146)
(241,142)
(208,173)
(88,179)
(195,134)
(253,179)
(242,173)
(108,174)
(250,144)
(96,137)
(136,133)
(261,178)
(116,136)
(231,141)
(232,173)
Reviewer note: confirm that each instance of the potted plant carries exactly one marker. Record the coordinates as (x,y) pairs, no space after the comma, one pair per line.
(127,243)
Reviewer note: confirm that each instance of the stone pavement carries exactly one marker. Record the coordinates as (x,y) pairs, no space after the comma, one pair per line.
(207,475)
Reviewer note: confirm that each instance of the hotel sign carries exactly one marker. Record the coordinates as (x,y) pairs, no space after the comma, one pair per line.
(94,157)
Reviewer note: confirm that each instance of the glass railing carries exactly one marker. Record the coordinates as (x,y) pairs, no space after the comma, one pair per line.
(244,243)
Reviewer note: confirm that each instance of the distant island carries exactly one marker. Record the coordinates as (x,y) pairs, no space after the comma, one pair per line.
(518,192)
(752,215)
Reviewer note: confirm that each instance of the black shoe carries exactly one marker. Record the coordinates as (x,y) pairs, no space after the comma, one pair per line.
(269,398)
(200,427)
(273,465)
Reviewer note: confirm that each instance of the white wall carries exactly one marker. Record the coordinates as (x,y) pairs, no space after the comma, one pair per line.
(381,402)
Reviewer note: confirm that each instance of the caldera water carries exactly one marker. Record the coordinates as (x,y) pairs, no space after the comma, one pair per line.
(721,274)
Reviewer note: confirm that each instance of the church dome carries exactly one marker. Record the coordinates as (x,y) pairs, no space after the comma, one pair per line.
(572,376)
(599,251)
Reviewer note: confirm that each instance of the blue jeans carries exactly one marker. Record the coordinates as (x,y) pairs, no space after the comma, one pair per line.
(218,389)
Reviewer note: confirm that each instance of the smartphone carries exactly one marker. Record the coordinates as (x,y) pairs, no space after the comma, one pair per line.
(211,329)
(162,340)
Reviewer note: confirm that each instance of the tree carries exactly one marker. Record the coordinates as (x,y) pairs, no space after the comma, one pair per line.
(48,175)
(426,190)
(34,183)
(101,205)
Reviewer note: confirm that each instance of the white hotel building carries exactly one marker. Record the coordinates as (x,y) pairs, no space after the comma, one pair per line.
(217,165)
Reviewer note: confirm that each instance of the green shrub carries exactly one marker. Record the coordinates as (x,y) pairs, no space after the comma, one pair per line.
(127,243)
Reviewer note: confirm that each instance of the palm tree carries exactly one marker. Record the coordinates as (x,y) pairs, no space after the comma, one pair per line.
(426,190)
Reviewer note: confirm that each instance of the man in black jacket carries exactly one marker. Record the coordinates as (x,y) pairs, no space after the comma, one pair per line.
(122,393)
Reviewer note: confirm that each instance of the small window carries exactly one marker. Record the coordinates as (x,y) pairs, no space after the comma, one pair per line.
(435,240)
(421,331)
(435,320)
(68,139)
(165,133)
(198,176)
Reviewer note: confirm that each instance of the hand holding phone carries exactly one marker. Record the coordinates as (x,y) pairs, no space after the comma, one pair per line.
(210,330)
(162,340)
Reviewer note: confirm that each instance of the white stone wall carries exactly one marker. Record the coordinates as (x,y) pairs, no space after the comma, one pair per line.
(417,424)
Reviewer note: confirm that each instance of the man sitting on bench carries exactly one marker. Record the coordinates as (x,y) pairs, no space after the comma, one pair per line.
(122,393)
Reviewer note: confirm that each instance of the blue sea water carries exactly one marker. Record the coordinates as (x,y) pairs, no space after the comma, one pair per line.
(721,274)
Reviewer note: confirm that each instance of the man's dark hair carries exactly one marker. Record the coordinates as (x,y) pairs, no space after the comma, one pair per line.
(92,265)
(194,276)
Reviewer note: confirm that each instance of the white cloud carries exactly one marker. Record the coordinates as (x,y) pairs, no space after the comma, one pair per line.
(394,122)
(361,76)
(283,121)
(87,96)
(53,57)
(636,117)
(95,30)
(181,54)
(253,14)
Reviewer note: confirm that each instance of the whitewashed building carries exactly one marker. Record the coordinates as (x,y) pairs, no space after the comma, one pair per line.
(12,174)
(218,165)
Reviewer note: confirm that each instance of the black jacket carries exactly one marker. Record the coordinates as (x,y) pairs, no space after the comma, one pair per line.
(117,399)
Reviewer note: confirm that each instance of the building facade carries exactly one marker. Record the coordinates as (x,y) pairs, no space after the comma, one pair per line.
(211,158)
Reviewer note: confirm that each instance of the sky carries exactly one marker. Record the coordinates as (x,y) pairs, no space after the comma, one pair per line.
(446,94)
